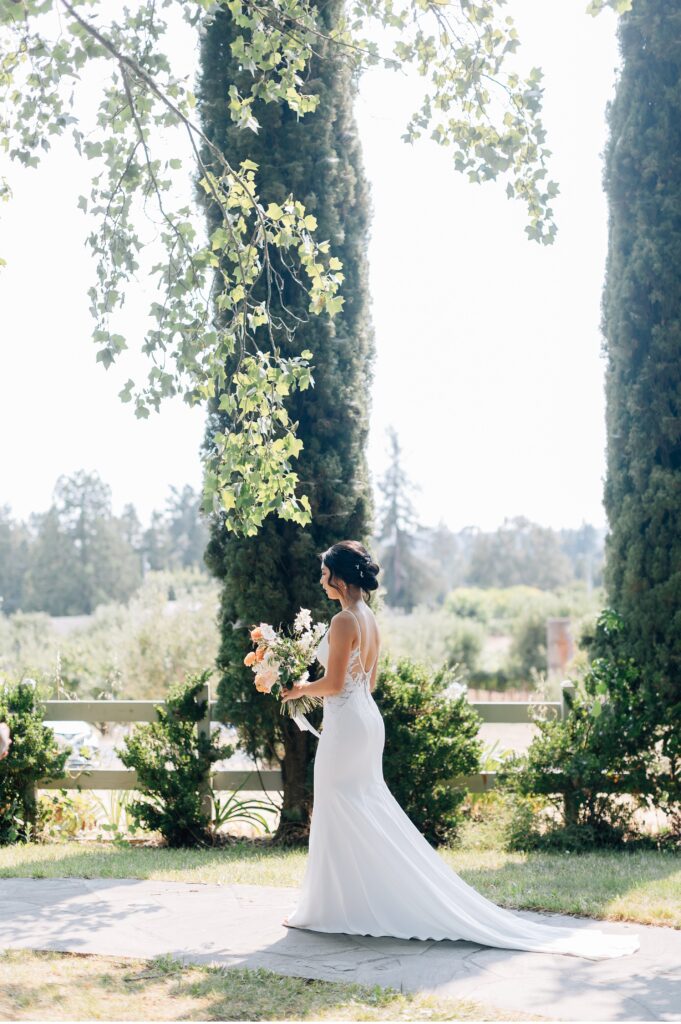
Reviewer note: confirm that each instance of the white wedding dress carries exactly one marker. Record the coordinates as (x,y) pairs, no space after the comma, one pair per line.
(369,869)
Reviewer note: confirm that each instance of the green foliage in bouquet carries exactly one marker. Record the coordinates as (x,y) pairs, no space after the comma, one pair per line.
(431,738)
(34,755)
(582,766)
(173,763)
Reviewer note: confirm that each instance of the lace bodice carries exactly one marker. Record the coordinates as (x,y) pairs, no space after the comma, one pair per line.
(357,678)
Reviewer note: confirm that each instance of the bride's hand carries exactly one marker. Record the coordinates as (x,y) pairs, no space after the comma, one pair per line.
(297,690)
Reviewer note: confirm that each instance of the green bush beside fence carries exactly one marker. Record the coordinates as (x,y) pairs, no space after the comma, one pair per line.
(430,739)
(34,755)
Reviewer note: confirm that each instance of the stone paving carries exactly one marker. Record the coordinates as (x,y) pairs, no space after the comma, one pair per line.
(241,925)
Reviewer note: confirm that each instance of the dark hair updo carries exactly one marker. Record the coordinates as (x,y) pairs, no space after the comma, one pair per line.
(350,561)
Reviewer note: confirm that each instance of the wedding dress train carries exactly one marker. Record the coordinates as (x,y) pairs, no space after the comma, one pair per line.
(369,869)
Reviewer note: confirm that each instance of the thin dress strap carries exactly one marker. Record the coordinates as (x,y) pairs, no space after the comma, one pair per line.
(359,646)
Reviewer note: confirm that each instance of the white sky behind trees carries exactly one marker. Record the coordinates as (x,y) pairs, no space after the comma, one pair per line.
(488,345)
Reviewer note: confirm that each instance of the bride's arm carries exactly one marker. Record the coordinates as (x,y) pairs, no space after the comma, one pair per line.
(341,634)
(323,687)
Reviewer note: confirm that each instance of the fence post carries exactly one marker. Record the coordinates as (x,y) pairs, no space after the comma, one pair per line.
(566,687)
(204,730)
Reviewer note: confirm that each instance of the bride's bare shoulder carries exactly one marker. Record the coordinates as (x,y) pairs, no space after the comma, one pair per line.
(342,621)
(346,616)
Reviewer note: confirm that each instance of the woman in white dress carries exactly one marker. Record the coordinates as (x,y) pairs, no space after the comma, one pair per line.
(369,869)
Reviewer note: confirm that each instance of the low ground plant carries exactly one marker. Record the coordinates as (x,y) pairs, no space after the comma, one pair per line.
(64,814)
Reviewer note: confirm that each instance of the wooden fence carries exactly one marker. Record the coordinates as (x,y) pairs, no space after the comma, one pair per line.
(145,711)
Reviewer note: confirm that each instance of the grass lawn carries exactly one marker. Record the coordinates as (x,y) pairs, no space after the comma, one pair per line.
(68,986)
(643,886)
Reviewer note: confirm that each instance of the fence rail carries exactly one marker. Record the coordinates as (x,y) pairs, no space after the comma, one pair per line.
(131,711)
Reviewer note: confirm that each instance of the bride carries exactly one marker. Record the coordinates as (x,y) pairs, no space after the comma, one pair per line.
(369,869)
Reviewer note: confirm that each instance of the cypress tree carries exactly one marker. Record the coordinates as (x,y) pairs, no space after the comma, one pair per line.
(270,576)
(405,577)
(642,340)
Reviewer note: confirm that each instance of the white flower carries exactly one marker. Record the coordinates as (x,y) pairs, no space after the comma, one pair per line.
(268,633)
(303,620)
(307,642)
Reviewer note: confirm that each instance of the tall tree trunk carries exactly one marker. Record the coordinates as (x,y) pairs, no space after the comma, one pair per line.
(270,576)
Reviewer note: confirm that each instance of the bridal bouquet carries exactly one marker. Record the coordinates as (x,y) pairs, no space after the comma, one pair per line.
(280,660)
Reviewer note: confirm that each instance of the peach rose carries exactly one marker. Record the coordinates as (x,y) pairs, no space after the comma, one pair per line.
(256,634)
(259,654)
(265,679)
(250,658)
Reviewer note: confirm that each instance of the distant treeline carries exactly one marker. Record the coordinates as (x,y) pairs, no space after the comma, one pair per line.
(421,564)
(78,555)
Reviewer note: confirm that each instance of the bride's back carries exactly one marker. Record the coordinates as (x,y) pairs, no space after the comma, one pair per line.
(369,643)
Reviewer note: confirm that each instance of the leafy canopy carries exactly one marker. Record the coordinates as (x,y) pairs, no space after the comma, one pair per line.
(486,112)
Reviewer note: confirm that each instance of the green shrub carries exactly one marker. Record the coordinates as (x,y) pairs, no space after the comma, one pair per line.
(487,815)
(499,679)
(28,645)
(530,827)
(583,765)
(137,650)
(34,755)
(465,641)
(173,765)
(644,716)
(132,651)
(496,607)
(528,648)
(431,738)
(421,634)
(470,603)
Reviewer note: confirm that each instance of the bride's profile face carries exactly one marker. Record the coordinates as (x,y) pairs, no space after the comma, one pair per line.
(329,590)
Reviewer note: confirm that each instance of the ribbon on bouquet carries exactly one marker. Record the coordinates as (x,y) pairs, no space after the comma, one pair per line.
(300,719)
(303,724)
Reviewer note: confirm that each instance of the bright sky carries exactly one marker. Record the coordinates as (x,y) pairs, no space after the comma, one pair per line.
(488,345)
